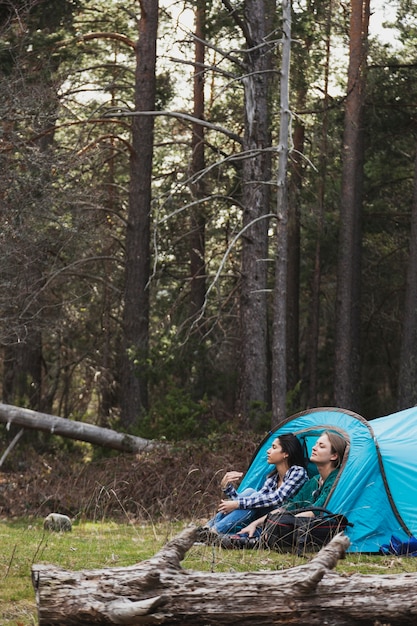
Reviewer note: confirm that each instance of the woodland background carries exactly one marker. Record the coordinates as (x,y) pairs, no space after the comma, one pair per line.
(183,251)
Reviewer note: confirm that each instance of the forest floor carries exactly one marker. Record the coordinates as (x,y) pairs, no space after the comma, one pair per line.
(174,484)
(178,482)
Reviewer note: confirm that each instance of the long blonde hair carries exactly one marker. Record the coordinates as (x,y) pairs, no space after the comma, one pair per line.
(338,444)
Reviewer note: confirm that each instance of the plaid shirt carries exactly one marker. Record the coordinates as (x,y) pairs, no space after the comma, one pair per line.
(270,495)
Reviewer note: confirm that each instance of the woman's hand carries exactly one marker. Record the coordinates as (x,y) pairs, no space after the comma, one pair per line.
(251,528)
(230,477)
(305,514)
(227,506)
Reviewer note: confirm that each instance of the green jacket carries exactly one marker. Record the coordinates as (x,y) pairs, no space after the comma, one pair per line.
(310,493)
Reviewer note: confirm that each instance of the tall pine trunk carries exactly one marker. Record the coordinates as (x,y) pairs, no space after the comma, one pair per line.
(197,236)
(407,388)
(347,345)
(279,345)
(314,305)
(294,242)
(197,244)
(134,397)
(254,397)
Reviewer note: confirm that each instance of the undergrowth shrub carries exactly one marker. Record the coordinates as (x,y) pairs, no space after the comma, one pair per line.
(178,481)
(176,416)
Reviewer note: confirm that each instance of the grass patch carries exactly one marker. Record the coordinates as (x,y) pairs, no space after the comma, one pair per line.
(89,546)
(93,545)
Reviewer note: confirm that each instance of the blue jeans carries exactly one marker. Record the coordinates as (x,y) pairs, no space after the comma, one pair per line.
(225,523)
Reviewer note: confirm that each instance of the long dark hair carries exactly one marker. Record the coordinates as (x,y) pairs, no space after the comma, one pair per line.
(292,446)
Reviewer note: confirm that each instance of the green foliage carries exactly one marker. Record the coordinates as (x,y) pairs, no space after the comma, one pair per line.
(164,90)
(294,398)
(64,186)
(175,416)
(259,417)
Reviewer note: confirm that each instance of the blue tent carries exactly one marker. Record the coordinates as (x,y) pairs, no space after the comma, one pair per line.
(377,484)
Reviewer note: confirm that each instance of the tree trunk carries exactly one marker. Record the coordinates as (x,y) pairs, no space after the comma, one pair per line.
(347,348)
(407,388)
(159,591)
(134,398)
(279,356)
(197,243)
(314,307)
(22,378)
(300,85)
(22,383)
(54,425)
(293,273)
(254,392)
(197,238)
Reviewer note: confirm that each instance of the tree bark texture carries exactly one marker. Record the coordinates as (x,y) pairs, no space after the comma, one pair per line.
(347,357)
(134,397)
(197,237)
(255,201)
(407,388)
(294,249)
(159,591)
(300,86)
(80,431)
(279,339)
(315,304)
(197,216)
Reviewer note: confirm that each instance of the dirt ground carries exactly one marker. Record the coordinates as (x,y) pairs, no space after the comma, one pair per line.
(175,483)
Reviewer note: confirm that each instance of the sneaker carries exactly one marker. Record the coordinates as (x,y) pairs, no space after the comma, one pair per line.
(228,542)
(206,535)
(239,542)
(252,543)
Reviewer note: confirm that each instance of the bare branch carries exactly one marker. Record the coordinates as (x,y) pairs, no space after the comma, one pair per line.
(60,271)
(239,22)
(203,67)
(99,35)
(223,53)
(180,116)
(223,261)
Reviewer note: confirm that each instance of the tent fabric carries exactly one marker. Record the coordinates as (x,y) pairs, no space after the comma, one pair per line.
(376,488)
(396,435)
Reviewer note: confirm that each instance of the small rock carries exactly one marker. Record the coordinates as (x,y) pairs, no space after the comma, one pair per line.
(57,522)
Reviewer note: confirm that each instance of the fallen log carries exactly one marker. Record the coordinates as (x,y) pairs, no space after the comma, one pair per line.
(159,591)
(72,429)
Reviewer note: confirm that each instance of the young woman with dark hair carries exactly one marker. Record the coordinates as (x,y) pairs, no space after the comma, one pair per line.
(327,455)
(239,509)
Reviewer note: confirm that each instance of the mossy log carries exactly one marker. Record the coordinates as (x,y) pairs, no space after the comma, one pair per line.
(159,591)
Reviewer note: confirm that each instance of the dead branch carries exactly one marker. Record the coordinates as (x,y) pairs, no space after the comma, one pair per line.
(72,429)
(159,591)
